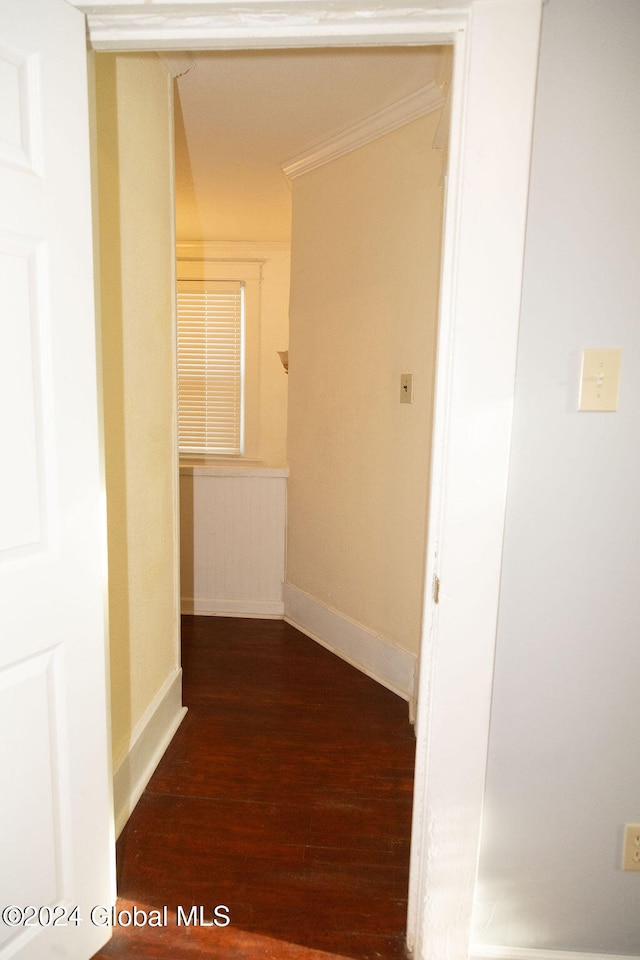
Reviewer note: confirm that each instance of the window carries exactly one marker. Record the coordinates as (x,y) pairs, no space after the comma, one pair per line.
(210,366)
(217,310)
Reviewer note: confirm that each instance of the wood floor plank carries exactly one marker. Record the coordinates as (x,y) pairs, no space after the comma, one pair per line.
(192,942)
(285,795)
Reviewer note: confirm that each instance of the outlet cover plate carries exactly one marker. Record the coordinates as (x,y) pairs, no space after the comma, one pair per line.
(631,849)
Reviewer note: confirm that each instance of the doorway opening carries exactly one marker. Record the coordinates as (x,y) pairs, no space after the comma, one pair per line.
(390,269)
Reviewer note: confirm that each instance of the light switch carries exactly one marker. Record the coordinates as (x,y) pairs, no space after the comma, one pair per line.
(406,388)
(599,379)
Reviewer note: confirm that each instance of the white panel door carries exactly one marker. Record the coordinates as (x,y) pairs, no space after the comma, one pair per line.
(56,841)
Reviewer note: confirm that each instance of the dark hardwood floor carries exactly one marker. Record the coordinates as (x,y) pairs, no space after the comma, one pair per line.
(285,796)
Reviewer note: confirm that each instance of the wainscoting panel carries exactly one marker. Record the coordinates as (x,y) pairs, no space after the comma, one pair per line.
(232,540)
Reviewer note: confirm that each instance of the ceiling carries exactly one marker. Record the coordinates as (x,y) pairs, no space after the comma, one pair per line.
(241,114)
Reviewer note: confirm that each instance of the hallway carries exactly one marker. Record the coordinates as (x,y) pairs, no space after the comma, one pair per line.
(285,797)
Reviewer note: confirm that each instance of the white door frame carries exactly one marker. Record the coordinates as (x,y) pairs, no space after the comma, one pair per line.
(496,47)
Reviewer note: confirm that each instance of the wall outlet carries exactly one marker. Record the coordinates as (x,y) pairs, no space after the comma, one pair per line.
(631,849)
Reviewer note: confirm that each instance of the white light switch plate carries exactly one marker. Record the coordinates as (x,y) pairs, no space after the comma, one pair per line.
(406,388)
(599,380)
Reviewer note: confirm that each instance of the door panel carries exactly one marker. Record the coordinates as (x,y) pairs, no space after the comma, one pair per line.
(56,835)
(21,511)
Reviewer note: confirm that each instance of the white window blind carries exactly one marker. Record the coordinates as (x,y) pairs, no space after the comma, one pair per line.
(210,366)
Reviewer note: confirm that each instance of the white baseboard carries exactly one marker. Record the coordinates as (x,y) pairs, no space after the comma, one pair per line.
(380,659)
(267,609)
(149,740)
(482,952)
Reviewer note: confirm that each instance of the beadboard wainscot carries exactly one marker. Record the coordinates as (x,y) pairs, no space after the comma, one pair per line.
(232,539)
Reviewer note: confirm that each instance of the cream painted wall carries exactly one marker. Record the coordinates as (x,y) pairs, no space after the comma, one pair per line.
(135,186)
(274,336)
(364,294)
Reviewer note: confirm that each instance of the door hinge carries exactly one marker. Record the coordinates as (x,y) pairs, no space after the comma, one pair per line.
(436,588)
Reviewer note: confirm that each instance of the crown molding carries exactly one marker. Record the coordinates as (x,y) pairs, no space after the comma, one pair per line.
(414,105)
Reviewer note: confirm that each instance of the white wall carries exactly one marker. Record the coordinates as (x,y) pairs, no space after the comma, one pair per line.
(564,761)
(232,531)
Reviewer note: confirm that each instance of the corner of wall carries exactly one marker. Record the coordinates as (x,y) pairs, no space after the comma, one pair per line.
(148,742)
(370,653)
